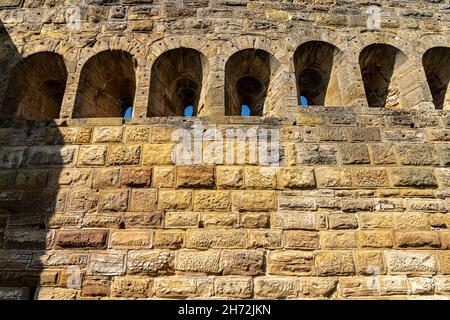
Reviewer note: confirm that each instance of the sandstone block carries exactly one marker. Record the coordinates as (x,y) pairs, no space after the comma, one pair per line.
(154,262)
(229,177)
(416,239)
(198,261)
(294,239)
(242,262)
(413,177)
(174,200)
(290,262)
(333,177)
(298,178)
(92,156)
(276,287)
(120,155)
(233,287)
(89,239)
(216,238)
(163,177)
(411,262)
(195,177)
(335,263)
(113,201)
(212,200)
(254,200)
(143,200)
(128,239)
(172,239)
(260,178)
(157,154)
(131,287)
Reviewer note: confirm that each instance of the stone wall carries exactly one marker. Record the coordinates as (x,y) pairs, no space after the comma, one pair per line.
(355,205)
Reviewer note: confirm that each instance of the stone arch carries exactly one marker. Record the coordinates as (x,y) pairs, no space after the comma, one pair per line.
(383,69)
(436,62)
(107,85)
(247,79)
(316,66)
(178,78)
(36,87)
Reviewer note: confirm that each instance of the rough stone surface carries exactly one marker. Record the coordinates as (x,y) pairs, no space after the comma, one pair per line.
(347,198)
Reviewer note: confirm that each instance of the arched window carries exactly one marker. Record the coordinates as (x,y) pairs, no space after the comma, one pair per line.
(36,87)
(247,79)
(381,66)
(107,84)
(176,82)
(314,63)
(436,63)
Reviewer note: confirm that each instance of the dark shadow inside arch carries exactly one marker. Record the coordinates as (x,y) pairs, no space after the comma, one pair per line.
(107,85)
(247,79)
(314,62)
(436,63)
(36,87)
(32,153)
(176,83)
(378,63)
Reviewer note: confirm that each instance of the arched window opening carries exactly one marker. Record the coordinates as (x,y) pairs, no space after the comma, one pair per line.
(176,82)
(245,111)
(316,73)
(380,65)
(247,79)
(107,84)
(436,63)
(36,87)
(189,111)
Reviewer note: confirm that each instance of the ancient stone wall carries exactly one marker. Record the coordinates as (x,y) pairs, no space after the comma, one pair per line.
(344,198)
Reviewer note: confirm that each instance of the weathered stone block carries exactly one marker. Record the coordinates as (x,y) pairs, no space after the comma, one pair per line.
(198,261)
(411,262)
(89,239)
(120,155)
(290,262)
(157,154)
(294,239)
(254,200)
(258,178)
(413,177)
(216,238)
(131,287)
(229,177)
(212,200)
(296,178)
(143,200)
(172,239)
(335,263)
(174,200)
(233,287)
(195,177)
(354,153)
(242,262)
(128,239)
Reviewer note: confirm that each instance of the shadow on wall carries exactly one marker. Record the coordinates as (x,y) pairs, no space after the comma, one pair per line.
(31,157)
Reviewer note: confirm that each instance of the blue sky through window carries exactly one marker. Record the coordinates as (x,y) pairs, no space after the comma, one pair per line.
(128,112)
(245,111)
(189,111)
(304,101)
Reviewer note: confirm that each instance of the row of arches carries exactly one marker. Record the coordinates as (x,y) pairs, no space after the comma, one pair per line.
(107,84)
